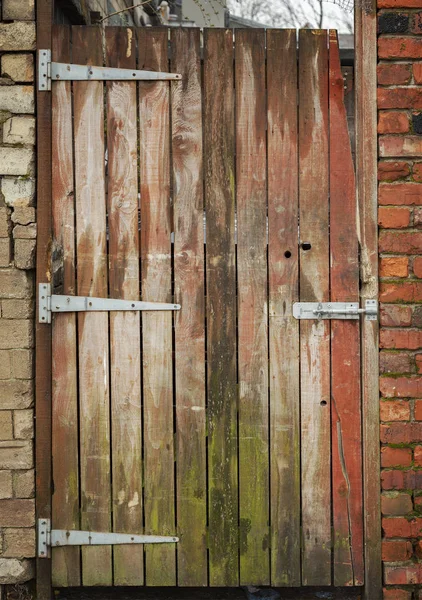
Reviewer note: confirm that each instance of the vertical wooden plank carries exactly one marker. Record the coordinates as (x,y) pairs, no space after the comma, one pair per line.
(188,209)
(283,292)
(314,287)
(366,177)
(157,326)
(221,307)
(65,439)
(346,425)
(125,343)
(92,327)
(43,355)
(252,306)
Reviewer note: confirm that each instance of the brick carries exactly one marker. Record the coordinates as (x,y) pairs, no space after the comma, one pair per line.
(396,594)
(18,192)
(418,549)
(417,171)
(395,315)
(14,511)
(393,218)
(19,99)
(16,454)
(18,309)
(396,457)
(16,161)
(6,425)
(16,284)
(23,424)
(400,194)
(417,217)
(417,72)
(418,456)
(418,410)
(20,67)
(24,484)
(396,146)
(401,433)
(19,10)
(394,362)
(18,36)
(395,410)
(5,222)
(417,123)
(396,504)
(13,570)
(393,22)
(16,333)
(394,74)
(399,527)
(409,339)
(402,575)
(399,3)
(5,252)
(16,394)
(401,480)
(400,242)
(5,364)
(399,47)
(417,267)
(19,543)
(396,551)
(25,232)
(397,97)
(390,170)
(21,130)
(25,254)
(22,363)
(404,291)
(6,490)
(397,266)
(401,387)
(23,215)
(393,122)
(417,316)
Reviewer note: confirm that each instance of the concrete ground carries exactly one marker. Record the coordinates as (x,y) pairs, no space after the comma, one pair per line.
(201,594)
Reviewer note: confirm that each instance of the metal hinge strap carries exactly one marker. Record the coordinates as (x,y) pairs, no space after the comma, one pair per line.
(48,537)
(50,303)
(49,71)
(335,310)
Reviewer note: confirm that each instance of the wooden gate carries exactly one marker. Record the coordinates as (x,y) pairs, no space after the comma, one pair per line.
(228,423)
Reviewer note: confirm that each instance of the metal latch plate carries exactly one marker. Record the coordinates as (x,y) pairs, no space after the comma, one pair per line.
(335,310)
(48,537)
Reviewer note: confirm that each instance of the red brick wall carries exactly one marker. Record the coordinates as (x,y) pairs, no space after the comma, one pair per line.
(400,244)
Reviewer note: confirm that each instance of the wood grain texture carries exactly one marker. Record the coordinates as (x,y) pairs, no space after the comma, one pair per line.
(314,287)
(283,292)
(66,563)
(188,206)
(125,343)
(43,354)
(92,327)
(157,326)
(346,424)
(219,178)
(366,177)
(252,307)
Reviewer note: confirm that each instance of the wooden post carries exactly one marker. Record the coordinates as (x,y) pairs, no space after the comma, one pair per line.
(366,176)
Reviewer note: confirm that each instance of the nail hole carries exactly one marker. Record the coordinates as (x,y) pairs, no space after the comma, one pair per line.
(323,403)
(287,254)
(90,304)
(306,246)
(133,306)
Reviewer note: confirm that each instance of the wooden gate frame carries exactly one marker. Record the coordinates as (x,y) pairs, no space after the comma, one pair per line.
(366,177)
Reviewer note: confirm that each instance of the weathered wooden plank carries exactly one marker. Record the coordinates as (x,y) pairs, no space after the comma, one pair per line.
(221,307)
(65,438)
(346,423)
(283,292)
(157,326)
(188,207)
(43,355)
(366,177)
(125,343)
(91,257)
(252,306)
(314,287)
